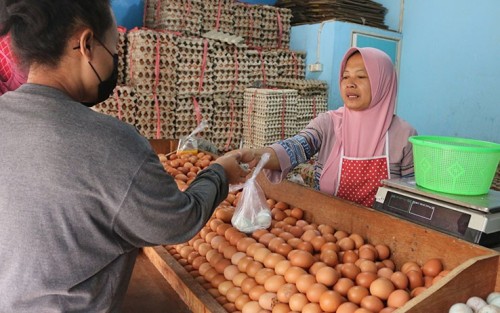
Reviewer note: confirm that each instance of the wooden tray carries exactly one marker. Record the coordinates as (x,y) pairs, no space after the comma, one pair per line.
(475,268)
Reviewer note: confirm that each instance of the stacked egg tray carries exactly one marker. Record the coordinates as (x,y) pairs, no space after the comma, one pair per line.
(270,115)
(149,17)
(218,16)
(230,68)
(186,115)
(155,118)
(291,64)
(311,100)
(262,67)
(227,122)
(122,55)
(121,104)
(194,67)
(147,50)
(263,26)
(183,16)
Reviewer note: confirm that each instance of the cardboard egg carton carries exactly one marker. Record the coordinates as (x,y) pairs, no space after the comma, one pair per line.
(227,122)
(270,115)
(291,64)
(122,104)
(230,68)
(262,67)
(186,118)
(182,16)
(150,13)
(218,15)
(122,56)
(153,118)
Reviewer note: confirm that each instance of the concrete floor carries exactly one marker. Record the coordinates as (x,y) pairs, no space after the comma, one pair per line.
(149,292)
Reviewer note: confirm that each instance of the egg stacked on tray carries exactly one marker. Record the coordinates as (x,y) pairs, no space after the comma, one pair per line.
(295,265)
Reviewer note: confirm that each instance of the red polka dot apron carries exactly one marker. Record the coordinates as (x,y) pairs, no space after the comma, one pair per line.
(360,178)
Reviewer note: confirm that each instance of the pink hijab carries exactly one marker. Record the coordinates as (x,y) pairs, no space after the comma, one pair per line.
(361,134)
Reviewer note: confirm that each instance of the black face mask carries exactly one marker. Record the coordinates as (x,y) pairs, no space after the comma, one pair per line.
(105,87)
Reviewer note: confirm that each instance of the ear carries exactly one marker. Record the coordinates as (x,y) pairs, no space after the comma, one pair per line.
(86,43)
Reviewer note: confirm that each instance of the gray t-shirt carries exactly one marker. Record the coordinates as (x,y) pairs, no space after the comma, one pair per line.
(80,192)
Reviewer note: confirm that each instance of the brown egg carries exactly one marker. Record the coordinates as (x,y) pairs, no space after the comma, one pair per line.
(243,263)
(233,293)
(301,258)
(229,307)
(383,251)
(343,285)
(311,308)
(286,235)
(385,272)
(284,249)
(285,291)
(224,287)
(230,271)
(329,257)
(346,243)
(281,308)
(237,257)
(389,263)
(272,259)
(347,307)
(305,246)
(251,307)
(261,253)
(399,280)
(330,301)
(349,256)
(253,267)
(367,252)
(339,234)
(308,235)
(252,248)
(256,292)
(239,278)
(356,293)
(281,267)
(381,288)
(293,273)
(367,266)
(387,310)
(372,303)
(327,275)
(350,270)
(315,291)
(243,244)
(263,274)
(415,292)
(247,284)
(415,279)
(268,300)
(365,279)
(410,266)
(432,267)
(217,280)
(275,242)
(273,283)
(304,282)
(297,302)
(398,298)
(297,213)
(330,246)
(318,242)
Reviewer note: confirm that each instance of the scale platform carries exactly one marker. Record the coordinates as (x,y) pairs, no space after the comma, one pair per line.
(472,218)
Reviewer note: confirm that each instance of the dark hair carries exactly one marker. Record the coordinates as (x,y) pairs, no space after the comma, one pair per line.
(40,29)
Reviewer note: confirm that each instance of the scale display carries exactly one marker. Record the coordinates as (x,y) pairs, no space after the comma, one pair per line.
(428,214)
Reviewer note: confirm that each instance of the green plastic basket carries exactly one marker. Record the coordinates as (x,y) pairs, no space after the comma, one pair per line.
(455,165)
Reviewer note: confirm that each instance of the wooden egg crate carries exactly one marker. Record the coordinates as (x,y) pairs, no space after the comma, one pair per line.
(475,269)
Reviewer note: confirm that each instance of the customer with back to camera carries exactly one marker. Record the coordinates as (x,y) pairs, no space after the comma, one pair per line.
(359,144)
(81,192)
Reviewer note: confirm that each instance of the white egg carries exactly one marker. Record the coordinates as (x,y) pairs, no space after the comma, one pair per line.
(476,303)
(492,296)
(264,219)
(495,301)
(460,308)
(489,309)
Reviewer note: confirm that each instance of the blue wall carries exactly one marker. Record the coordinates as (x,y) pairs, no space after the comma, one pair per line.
(450,69)
(129,13)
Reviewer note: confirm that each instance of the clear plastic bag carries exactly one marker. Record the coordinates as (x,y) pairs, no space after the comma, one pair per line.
(252,212)
(189,144)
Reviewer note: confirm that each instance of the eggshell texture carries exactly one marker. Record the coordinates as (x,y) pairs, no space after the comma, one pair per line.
(347,307)
(460,308)
(489,309)
(330,301)
(356,293)
(285,292)
(476,303)
(372,303)
(315,291)
(311,308)
(398,298)
(492,296)
(382,288)
(267,300)
(432,267)
(495,301)
(297,302)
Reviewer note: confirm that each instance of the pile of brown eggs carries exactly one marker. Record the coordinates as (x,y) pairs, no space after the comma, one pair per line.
(185,167)
(297,266)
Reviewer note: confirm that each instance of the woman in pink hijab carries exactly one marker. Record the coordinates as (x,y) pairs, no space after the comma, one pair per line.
(358,144)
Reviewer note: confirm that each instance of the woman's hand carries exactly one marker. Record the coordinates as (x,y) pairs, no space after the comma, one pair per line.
(231,162)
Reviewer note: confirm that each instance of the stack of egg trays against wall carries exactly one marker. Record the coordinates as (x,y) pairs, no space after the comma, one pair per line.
(291,64)
(142,60)
(311,100)
(194,74)
(149,17)
(227,121)
(259,25)
(186,116)
(230,68)
(122,104)
(270,115)
(155,119)
(262,67)
(182,16)
(122,55)
(218,15)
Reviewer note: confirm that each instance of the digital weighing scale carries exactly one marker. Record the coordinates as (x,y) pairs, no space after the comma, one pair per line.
(473,218)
